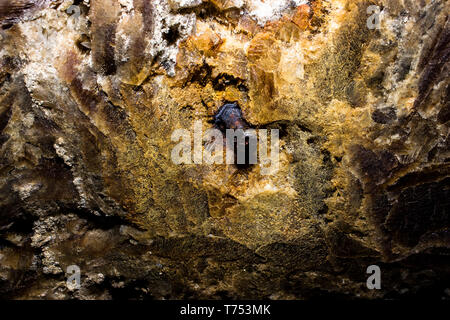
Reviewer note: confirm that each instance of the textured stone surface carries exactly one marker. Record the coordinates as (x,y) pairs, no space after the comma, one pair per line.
(88,105)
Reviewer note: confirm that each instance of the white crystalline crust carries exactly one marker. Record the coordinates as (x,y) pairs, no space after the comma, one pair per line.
(164,21)
(269,10)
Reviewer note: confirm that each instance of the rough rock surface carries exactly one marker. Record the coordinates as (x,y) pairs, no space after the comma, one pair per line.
(88,103)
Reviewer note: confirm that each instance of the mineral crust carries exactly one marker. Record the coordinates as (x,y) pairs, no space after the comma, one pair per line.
(91,92)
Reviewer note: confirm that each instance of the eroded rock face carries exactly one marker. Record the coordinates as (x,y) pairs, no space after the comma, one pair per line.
(88,104)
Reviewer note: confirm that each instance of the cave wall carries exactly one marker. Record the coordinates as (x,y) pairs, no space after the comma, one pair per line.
(89,101)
